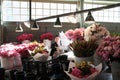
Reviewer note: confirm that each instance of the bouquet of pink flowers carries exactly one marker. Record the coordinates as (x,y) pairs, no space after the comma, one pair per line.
(75,34)
(24,36)
(109,49)
(10,55)
(48,35)
(8,50)
(84,70)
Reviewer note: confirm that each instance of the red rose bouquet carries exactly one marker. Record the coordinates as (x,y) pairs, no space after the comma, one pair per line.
(48,35)
(24,36)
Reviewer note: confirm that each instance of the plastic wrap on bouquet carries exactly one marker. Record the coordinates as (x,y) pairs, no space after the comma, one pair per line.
(40,57)
(90,77)
(64,40)
(17,61)
(26,41)
(7,62)
(79,59)
(47,43)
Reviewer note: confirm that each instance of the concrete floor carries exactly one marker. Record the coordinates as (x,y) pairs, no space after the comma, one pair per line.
(105,76)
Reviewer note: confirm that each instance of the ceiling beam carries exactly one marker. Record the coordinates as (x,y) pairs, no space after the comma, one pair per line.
(79,12)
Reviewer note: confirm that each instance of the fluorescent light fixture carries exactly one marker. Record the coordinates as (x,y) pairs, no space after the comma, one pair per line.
(58,23)
(35,26)
(89,18)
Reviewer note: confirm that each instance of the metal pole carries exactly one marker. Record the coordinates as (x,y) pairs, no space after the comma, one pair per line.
(81,15)
(30,10)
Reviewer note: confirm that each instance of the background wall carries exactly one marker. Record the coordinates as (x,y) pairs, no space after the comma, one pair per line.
(9,34)
(112,27)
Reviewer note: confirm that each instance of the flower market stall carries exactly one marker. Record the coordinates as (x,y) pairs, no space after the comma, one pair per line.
(83,46)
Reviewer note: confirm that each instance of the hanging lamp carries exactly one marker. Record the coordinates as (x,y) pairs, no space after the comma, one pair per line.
(58,23)
(32,24)
(89,18)
(35,26)
(18,28)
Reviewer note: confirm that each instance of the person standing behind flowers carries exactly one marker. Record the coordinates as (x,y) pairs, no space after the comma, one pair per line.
(55,47)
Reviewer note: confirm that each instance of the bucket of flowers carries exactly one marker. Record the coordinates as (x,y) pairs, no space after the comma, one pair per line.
(46,38)
(109,50)
(84,70)
(9,56)
(83,50)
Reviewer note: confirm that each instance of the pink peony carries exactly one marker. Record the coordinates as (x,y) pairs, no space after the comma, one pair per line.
(75,34)
(69,34)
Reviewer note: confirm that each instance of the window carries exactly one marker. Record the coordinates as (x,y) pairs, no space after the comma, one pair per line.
(15,11)
(45,9)
(106,15)
(19,10)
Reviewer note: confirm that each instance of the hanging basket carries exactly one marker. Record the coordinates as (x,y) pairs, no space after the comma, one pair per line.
(115,68)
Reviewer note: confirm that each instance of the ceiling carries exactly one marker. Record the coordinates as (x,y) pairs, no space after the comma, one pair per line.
(93,1)
(103,1)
